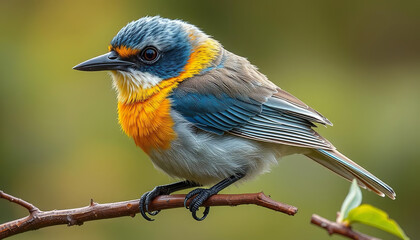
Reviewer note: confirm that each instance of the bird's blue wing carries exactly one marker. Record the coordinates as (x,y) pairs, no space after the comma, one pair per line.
(217,114)
(285,123)
(275,120)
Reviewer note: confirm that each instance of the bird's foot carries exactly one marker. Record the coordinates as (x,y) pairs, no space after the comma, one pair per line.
(201,195)
(147,198)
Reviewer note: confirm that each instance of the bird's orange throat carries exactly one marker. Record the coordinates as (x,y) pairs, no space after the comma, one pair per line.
(144,114)
(148,122)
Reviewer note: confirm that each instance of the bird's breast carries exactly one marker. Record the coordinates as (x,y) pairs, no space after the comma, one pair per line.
(148,122)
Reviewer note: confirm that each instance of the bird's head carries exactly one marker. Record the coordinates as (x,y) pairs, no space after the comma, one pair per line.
(153,53)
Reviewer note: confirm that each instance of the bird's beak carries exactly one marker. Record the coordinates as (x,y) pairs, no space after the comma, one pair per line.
(108,61)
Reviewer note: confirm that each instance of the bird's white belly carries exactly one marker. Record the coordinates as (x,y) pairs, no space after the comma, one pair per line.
(207,158)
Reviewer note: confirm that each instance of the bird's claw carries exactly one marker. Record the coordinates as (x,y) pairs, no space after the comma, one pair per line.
(201,196)
(146,199)
(205,213)
(190,194)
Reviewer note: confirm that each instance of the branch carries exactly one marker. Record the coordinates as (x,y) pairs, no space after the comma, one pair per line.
(31,208)
(77,216)
(337,228)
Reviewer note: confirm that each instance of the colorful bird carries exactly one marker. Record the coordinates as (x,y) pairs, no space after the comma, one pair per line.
(208,116)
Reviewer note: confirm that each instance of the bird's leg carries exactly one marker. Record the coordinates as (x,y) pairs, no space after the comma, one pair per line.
(147,197)
(203,194)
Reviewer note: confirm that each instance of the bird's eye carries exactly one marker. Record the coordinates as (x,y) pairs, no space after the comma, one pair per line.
(149,55)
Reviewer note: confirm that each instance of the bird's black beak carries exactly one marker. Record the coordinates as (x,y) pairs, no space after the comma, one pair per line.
(108,61)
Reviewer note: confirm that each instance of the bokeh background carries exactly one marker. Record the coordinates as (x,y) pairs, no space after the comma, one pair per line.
(356,62)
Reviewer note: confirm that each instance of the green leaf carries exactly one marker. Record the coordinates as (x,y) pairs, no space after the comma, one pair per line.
(377,218)
(353,199)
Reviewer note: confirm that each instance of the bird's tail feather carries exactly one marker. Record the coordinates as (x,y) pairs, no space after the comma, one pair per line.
(343,166)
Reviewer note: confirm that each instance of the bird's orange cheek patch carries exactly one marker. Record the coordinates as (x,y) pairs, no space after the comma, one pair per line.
(124,51)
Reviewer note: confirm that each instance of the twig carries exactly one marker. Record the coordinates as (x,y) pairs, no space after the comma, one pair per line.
(31,208)
(337,228)
(77,216)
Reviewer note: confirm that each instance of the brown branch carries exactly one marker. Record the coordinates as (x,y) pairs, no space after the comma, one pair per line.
(31,208)
(338,228)
(77,216)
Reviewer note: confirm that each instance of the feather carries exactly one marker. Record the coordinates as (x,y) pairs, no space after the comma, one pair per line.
(297,106)
(295,110)
(343,166)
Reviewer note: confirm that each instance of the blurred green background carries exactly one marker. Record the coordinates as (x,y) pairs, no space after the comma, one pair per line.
(356,62)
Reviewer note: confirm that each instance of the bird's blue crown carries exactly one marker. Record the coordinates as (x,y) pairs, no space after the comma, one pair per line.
(168,36)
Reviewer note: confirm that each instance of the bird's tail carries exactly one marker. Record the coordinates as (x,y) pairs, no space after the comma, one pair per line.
(340,164)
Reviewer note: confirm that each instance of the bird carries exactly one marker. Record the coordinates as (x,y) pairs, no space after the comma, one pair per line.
(206,116)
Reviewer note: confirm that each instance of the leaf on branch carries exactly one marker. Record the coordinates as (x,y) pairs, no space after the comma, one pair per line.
(377,218)
(353,199)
